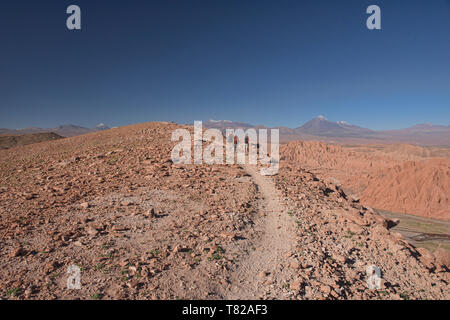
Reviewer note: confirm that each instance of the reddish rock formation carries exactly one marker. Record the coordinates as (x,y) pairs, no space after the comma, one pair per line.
(399,178)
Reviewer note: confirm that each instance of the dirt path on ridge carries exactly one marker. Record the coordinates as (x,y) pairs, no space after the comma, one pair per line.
(262,273)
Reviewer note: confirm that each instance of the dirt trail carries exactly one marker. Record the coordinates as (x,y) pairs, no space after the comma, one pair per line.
(263,273)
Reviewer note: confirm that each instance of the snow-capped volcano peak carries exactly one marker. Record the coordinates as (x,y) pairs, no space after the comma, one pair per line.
(101,126)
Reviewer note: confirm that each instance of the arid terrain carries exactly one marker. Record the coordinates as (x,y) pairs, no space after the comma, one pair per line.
(140,227)
(399,178)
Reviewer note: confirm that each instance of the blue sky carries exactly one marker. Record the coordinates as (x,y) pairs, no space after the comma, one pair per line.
(264,62)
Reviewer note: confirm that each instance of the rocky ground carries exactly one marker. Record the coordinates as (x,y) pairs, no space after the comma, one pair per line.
(337,238)
(140,227)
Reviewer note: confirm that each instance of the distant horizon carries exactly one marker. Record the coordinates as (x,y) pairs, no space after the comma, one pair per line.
(218,120)
(275,63)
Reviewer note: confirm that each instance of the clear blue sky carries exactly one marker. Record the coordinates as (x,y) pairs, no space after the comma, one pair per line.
(263,62)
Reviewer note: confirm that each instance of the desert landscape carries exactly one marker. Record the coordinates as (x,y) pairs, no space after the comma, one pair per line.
(138,226)
(215,158)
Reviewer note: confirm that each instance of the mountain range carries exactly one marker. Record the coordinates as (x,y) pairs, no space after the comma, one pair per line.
(68,130)
(320,128)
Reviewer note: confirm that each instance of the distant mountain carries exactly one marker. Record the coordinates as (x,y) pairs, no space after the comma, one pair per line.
(11,141)
(4,131)
(101,127)
(222,125)
(226,124)
(29,130)
(422,128)
(71,130)
(68,130)
(424,134)
(321,126)
(286,131)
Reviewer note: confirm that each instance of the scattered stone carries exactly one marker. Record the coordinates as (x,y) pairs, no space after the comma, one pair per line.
(17,252)
(30,196)
(126,203)
(92,231)
(339,258)
(123,263)
(263,274)
(296,285)
(325,289)
(84,205)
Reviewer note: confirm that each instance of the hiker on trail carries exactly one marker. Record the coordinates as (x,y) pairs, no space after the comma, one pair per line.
(229,138)
(246,143)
